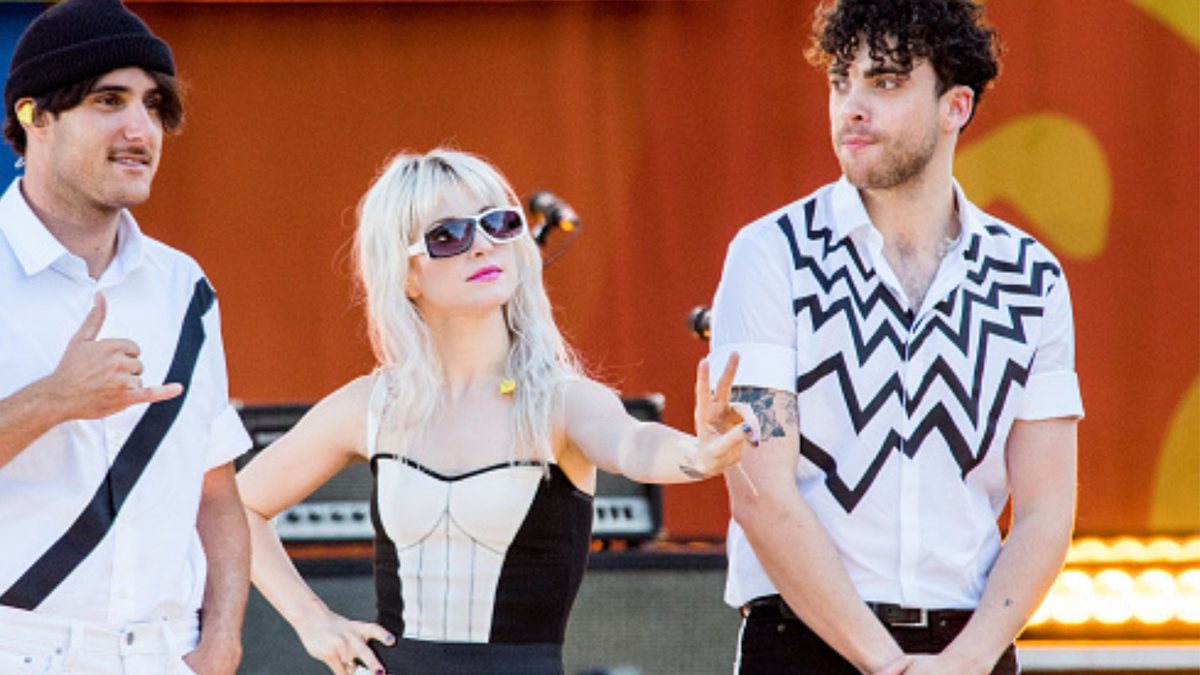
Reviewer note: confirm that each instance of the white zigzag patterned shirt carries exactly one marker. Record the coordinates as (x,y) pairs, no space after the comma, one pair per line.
(903,415)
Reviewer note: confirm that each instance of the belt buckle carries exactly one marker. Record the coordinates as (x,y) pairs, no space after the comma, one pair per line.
(922,620)
(774,602)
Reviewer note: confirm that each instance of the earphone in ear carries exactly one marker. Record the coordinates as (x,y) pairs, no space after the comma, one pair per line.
(25,113)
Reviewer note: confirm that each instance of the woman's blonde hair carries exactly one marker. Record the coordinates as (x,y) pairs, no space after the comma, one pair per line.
(394,213)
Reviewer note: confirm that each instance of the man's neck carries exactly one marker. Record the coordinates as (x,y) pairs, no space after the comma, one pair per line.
(89,233)
(918,221)
(921,213)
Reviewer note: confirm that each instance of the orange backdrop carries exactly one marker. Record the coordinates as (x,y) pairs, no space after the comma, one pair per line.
(668,125)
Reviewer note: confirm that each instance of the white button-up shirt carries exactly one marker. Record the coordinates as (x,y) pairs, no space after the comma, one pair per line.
(903,414)
(150,564)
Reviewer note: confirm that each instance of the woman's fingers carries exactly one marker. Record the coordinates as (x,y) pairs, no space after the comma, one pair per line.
(703,393)
(726,449)
(366,633)
(346,650)
(748,418)
(725,384)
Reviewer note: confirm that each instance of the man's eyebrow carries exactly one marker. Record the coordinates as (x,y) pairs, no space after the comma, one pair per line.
(105,88)
(841,69)
(119,89)
(885,69)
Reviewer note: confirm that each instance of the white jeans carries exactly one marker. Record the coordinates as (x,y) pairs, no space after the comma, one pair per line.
(38,644)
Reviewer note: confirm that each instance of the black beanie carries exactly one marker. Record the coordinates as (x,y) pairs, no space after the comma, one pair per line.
(77,40)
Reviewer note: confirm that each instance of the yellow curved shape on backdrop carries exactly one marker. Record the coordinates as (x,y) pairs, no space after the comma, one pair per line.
(1175,504)
(1053,170)
(1181,16)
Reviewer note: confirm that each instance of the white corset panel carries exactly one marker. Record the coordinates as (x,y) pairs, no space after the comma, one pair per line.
(451,536)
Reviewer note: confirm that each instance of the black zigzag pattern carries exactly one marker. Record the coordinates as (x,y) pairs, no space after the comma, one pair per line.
(853,304)
(1001,293)
(860,415)
(1015,331)
(938,418)
(845,307)
(848,496)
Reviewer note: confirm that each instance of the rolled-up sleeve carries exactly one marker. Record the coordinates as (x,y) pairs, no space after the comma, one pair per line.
(227,437)
(752,311)
(1052,389)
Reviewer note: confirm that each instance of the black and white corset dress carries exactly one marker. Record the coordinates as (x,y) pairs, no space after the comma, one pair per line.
(475,572)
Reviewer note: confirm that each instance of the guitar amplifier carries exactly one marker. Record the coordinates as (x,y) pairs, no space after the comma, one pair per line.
(340,510)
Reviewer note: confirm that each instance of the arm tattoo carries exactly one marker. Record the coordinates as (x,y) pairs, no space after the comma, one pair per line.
(768,405)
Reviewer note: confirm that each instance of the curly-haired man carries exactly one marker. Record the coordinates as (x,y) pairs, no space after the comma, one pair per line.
(911,360)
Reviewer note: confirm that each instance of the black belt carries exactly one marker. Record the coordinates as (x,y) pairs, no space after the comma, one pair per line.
(892,616)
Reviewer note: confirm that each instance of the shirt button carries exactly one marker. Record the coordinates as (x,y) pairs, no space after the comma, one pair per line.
(129,638)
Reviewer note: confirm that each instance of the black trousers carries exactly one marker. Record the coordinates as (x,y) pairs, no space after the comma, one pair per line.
(774,644)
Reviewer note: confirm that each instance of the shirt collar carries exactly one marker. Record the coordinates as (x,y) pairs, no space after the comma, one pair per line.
(850,214)
(36,248)
(970,218)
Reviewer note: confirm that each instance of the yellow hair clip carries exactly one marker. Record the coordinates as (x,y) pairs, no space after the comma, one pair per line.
(25,113)
(507,386)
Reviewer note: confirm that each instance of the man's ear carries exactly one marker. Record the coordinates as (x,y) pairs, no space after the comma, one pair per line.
(24,110)
(29,115)
(958,104)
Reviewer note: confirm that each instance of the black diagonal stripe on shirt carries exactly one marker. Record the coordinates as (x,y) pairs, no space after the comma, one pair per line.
(57,563)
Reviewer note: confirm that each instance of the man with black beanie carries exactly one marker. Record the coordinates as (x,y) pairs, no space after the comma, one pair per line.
(126,550)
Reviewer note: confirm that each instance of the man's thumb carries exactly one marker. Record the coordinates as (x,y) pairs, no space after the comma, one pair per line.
(93,321)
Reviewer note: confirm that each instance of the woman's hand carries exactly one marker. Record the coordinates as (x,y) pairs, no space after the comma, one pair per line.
(722,428)
(341,644)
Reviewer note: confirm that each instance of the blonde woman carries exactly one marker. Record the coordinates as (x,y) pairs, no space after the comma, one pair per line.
(483,437)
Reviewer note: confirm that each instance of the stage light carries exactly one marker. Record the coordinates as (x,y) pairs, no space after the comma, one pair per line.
(1088,550)
(1154,600)
(1165,550)
(1071,597)
(1123,588)
(1187,596)
(1128,549)
(1191,550)
(1114,597)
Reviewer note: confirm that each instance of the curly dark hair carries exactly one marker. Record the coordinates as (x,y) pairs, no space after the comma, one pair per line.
(951,34)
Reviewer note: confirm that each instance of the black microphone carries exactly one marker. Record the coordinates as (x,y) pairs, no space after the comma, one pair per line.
(550,212)
(699,322)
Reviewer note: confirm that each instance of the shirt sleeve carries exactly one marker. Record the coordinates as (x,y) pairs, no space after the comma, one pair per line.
(752,312)
(227,438)
(1053,386)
